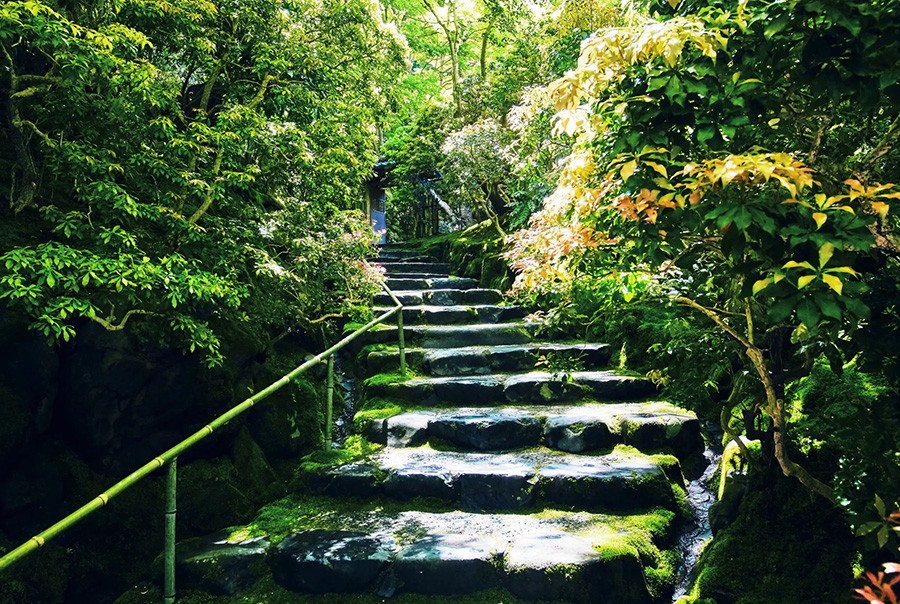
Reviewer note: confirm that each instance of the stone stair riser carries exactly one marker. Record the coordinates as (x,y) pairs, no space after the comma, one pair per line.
(479,361)
(436,268)
(492,390)
(448,297)
(431,283)
(456,315)
(681,435)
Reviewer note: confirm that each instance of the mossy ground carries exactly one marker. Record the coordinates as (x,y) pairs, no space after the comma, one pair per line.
(752,562)
(268,592)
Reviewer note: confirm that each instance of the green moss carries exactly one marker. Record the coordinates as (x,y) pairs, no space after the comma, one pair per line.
(383,379)
(351,327)
(364,416)
(356,447)
(766,554)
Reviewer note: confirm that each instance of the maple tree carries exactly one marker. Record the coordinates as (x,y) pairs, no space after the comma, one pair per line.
(712,156)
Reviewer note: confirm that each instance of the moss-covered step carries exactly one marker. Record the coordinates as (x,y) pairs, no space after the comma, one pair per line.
(397,283)
(499,388)
(576,558)
(450,336)
(646,426)
(416,297)
(319,546)
(435,268)
(458,314)
(480,360)
(624,479)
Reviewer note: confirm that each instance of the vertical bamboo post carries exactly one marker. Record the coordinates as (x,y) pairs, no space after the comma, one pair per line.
(171,507)
(329,403)
(401,342)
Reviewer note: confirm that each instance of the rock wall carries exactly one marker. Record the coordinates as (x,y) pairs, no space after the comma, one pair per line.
(77,417)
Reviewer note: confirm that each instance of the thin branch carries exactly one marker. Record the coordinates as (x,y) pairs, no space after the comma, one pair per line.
(883,147)
(716,319)
(217,167)
(109,325)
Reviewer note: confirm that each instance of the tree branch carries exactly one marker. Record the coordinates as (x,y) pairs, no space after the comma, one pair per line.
(109,325)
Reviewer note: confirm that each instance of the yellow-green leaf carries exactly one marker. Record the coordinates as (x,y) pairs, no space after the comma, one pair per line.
(842,269)
(659,168)
(628,169)
(820,219)
(795,264)
(805,280)
(825,253)
(834,283)
(761,285)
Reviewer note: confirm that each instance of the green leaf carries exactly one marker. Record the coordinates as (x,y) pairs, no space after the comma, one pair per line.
(828,306)
(808,313)
(781,310)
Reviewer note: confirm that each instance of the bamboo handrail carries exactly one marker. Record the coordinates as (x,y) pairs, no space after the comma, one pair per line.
(188,443)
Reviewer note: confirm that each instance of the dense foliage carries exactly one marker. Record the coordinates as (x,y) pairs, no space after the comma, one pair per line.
(189,166)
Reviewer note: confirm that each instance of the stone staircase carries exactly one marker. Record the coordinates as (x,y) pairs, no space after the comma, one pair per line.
(497,480)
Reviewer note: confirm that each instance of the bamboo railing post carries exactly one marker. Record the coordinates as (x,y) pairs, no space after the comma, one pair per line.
(171,508)
(401,343)
(329,403)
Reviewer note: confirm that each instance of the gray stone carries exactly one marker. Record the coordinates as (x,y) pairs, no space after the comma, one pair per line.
(223,563)
(576,434)
(322,561)
(540,386)
(488,431)
(408,430)
(618,482)
(437,268)
(447,565)
(350,480)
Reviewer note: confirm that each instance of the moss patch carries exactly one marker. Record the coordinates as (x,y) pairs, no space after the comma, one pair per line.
(356,447)
(785,546)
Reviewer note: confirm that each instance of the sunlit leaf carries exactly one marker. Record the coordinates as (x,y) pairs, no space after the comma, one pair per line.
(805,280)
(834,283)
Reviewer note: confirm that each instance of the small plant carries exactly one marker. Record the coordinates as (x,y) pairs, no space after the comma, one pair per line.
(561,366)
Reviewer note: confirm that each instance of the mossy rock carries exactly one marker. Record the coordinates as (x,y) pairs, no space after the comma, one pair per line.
(786,545)
(210,496)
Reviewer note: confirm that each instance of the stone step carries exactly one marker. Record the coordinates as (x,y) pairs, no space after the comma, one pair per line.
(447,297)
(621,480)
(446,336)
(560,556)
(419,276)
(501,389)
(454,315)
(437,268)
(647,426)
(431,283)
(402,254)
(474,360)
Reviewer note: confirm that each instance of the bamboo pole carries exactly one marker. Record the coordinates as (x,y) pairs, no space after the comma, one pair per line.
(401,340)
(102,499)
(329,403)
(401,343)
(171,508)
